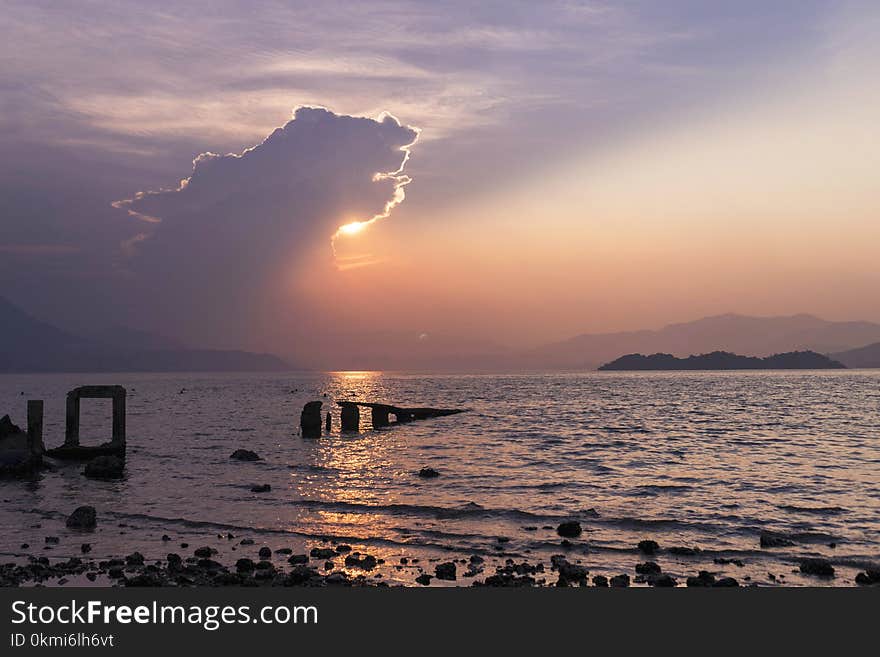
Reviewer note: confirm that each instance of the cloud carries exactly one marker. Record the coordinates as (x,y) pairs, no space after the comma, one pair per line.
(228,235)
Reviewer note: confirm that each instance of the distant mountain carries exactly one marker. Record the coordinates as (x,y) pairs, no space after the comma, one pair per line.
(760,336)
(866,357)
(723,360)
(128,338)
(30,345)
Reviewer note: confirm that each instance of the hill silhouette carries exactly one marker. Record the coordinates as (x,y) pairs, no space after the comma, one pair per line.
(867,356)
(761,336)
(30,345)
(724,360)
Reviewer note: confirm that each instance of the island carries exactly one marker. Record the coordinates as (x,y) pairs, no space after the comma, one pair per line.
(724,360)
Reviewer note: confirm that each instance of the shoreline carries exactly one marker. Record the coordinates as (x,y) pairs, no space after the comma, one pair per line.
(230,560)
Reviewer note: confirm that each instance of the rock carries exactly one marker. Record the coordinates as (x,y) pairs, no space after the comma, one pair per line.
(600,580)
(7,427)
(445,571)
(648,568)
(265,553)
(300,575)
(703,578)
(506,579)
(134,559)
(204,552)
(83,517)
(246,541)
(774,540)
(298,559)
(620,581)
(648,547)
(261,488)
(165,537)
(85,548)
(343,548)
(322,553)
(428,473)
(818,567)
(727,582)
(869,577)
(283,551)
(424,579)
(569,529)
(364,562)
(337,579)
(245,455)
(245,565)
(662,581)
(105,467)
(724,561)
(570,573)
(684,551)
(52,540)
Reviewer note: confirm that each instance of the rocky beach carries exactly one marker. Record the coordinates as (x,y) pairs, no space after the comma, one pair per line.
(218,488)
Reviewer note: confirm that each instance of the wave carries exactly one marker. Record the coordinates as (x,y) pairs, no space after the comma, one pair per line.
(817,510)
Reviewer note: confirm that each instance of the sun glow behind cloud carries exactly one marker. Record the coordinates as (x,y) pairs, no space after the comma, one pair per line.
(353,228)
(399,180)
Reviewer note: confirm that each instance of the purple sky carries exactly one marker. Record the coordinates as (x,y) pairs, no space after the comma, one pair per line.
(102,100)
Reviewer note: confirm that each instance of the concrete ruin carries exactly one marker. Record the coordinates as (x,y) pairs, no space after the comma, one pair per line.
(71,449)
(350,416)
(380,414)
(350,419)
(310,420)
(22,452)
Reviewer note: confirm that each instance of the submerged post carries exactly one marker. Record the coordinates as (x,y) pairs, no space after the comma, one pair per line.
(310,420)
(380,416)
(71,430)
(350,417)
(35,427)
(118,395)
(328,423)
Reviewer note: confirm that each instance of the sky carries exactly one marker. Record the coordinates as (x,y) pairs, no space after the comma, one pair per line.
(323,180)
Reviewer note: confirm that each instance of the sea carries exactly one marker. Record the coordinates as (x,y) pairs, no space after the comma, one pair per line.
(700,462)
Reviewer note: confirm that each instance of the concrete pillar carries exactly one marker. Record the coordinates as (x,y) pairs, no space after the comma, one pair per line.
(380,416)
(351,418)
(71,430)
(328,423)
(35,426)
(310,420)
(119,416)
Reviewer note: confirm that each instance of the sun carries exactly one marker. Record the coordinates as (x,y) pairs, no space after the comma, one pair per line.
(353,228)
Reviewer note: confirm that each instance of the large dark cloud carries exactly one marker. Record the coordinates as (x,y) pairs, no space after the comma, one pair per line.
(214,254)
